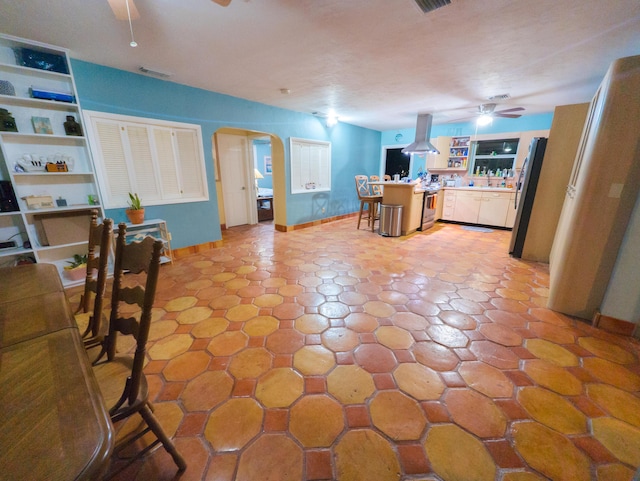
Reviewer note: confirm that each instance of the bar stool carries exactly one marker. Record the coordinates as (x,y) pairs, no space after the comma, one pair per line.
(365,197)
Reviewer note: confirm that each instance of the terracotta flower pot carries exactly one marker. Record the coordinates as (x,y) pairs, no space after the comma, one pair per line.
(135,216)
(76,274)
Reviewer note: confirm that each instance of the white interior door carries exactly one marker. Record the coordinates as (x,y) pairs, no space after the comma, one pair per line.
(234,164)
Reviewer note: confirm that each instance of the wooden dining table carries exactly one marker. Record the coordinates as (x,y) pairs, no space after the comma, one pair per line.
(53,421)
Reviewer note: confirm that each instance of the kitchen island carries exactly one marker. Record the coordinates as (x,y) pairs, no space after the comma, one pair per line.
(410,196)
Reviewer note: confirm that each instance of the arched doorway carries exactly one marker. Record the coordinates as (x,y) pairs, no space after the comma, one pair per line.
(235,177)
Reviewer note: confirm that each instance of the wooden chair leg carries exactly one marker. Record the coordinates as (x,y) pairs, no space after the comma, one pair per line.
(360,215)
(374,213)
(155,426)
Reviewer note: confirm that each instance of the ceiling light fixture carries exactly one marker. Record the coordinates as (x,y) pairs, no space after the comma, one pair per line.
(331,118)
(484,119)
(133,43)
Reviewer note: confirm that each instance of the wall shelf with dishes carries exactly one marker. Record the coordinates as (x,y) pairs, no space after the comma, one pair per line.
(47,173)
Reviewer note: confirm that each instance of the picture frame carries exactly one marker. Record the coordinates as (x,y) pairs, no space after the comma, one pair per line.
(42,125)
(268,166)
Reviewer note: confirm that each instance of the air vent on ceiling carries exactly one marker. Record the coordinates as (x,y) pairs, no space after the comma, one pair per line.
(155,73)
(499,97)
(428,5)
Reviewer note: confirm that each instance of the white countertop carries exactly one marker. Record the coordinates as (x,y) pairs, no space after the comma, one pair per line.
(481,189)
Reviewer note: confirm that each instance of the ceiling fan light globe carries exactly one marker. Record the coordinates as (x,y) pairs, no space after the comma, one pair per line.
(484,120)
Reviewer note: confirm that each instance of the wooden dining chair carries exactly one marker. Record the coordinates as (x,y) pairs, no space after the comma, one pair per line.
(375,189)
(89,316)
(368,200)
(120,375)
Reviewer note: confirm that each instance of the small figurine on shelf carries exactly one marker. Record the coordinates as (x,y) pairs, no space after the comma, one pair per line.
(7,122)
(71,127)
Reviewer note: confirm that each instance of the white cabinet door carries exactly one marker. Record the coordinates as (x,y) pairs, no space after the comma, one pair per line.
(448,207)
(439,161)
(467,206)
(511,211)
(493,208)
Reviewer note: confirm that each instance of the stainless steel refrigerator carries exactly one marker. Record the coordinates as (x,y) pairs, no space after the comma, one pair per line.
(525,193)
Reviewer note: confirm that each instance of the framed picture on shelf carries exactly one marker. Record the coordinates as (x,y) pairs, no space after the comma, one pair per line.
(268,166)
(42,125)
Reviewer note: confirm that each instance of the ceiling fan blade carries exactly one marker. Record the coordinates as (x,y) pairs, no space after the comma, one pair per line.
(222,3)
(508,116)
(119,8)
(515,109)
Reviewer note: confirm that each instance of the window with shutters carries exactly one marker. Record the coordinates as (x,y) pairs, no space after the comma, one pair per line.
(163,162)
(310,166)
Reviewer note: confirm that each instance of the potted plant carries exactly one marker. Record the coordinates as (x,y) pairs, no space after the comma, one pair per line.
(77,268)
(135,212)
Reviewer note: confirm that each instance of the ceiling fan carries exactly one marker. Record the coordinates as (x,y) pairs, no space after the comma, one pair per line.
(487,112)
(489,109)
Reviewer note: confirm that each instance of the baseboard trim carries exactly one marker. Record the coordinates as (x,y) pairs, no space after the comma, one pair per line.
(616,326)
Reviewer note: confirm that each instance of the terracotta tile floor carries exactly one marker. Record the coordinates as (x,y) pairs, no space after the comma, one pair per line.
(331,353)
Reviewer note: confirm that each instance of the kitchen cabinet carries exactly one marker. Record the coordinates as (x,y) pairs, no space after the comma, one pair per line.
(476,206)
(467,206)
(453,156)
(448,205)
(45,155)
(511,211)
(439,205)
(439,161)
(494,207)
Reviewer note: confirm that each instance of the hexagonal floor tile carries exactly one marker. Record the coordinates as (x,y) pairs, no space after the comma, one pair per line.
(475,412)
(207,390)
(364,455)
(375,358)
(549,351)
(279,387)
(350,384)
(394,337)
(231,426)
(618,403)
(340,339)
(549,452)
(313,360)
(552,410)
(316,421)
(486,379)
(271,456)
(397,415)
(250,363)
(447,444)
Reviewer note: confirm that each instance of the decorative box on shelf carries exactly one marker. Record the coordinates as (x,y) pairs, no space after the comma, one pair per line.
(35,202)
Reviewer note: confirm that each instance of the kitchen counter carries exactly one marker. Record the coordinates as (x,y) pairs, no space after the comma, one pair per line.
(409,195)
(481,189)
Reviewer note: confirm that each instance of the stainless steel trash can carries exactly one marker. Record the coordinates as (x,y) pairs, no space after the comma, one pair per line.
(390,220)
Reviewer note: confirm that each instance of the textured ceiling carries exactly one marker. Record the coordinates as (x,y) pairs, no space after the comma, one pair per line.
(377,63)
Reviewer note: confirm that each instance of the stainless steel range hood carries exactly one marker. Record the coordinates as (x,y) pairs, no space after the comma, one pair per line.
(422,143)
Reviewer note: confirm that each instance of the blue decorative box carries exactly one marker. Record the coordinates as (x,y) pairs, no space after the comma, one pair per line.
(37,93)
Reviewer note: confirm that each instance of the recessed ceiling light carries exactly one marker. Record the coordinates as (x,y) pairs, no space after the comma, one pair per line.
(285,91)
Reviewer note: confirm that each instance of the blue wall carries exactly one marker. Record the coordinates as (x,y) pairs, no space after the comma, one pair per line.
(263,149)
(354,150)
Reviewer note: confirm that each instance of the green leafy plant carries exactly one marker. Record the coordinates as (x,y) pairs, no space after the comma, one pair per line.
(78,261)
(134,202)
